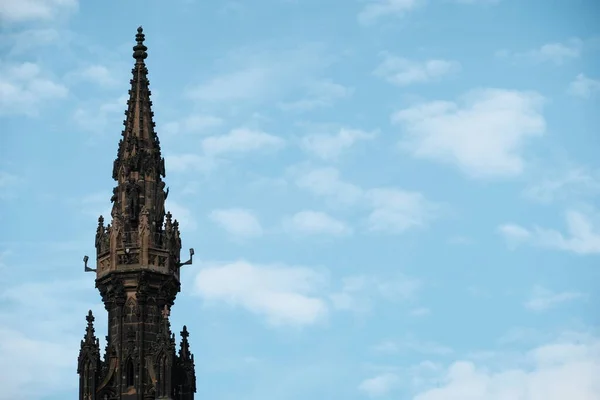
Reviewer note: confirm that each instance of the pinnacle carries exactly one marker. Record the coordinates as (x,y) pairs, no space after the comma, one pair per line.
(139,50)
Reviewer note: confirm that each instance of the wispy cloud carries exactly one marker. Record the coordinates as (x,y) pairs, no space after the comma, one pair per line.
(573,183)
(284,295)
(310,222)
(24,87)
(583,234)
(484,134)
(258,73)
(410,343)
(377,9)
(97,74)
(392,210)
(32,10)
(396,211)
(584,86)
(331,146)
(558,370)
(238,222)
(542,299)
(319,94)
(379,385)
(326,182)
(43,321)
(359,293)
(97,116)
(556,52)
(194,123)
(403,72)
(241,141)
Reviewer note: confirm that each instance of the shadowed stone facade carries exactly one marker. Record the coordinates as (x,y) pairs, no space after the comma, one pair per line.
(137,271)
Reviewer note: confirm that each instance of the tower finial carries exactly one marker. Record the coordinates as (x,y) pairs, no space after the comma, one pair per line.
(139,50)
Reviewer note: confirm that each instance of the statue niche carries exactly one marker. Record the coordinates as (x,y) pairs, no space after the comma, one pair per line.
(132,192)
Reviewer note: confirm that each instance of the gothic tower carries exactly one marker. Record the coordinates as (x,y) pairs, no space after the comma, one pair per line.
(137,271)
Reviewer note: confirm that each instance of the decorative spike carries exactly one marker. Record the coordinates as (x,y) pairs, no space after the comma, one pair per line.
(139,50)
(90,337)
(184,348)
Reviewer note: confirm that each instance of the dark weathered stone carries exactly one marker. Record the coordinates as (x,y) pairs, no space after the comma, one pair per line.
(137,273)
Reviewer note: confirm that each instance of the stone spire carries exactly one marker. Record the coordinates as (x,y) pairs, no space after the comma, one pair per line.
(89,338)
(88,362)
(137,269)
(184,349)
(139,167)
(187,374)
(138,235)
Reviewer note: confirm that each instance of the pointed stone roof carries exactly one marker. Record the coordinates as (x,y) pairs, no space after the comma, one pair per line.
(139,138)
(90,336)
(139,158)
(184,349)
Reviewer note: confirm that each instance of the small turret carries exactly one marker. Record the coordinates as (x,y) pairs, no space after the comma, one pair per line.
(88,362)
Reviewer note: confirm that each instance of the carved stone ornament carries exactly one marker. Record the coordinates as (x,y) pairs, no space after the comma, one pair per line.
(134,289)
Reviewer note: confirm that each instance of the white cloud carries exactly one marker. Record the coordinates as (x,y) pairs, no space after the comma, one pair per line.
(359,292)
(284,295)
(395,211)
(379,385)
(584,87)
(420,312)
(7,184)
(195,123)
(572,183)
(565,369)
(484,134)
(392,210)
(326,182)
(255,75)
(543,299)
(330,147)
(182,214)
(409,344)
(28,10)
(23,88)
(29,40)
(41,326)
(97,74)
(514,234)
(96,118)
(315,222)
(94,205)
(323,93)
(237,222)
(238,85)
(240,141)
(190,163)
(556,52)
(403,72)
(583,234)
(376,9)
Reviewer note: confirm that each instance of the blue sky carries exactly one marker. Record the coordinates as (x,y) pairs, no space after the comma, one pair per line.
(389,199)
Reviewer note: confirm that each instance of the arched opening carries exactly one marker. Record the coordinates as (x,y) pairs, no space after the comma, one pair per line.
(130,375)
